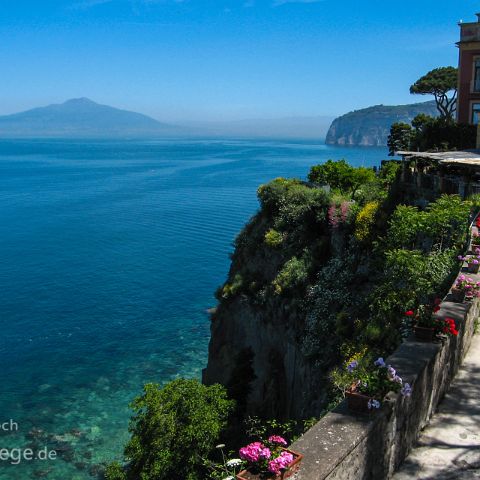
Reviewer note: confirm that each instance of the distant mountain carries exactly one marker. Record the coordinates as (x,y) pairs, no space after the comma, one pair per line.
(371,126)
(81,117)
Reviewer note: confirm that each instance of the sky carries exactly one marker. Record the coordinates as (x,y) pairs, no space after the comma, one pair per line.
(216,60)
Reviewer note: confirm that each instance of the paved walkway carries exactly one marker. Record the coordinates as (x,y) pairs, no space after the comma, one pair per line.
(449,447)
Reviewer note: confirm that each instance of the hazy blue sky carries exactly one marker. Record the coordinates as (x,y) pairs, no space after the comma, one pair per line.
(224,59)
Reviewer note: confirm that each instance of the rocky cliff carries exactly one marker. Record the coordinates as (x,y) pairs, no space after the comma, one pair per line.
(371,126)
(256,348)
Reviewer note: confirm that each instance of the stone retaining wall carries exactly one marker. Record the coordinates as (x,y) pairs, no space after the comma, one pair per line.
(347,446)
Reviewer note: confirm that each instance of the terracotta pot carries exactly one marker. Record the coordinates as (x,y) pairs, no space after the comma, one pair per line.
(292,469)
(473,267)
(458,294)
(357,402)
(425,334)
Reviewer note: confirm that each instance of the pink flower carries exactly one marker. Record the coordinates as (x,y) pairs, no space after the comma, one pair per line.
(344,208)
(265,453)
(277,440)
(280,463)
(254,452)
(332,216)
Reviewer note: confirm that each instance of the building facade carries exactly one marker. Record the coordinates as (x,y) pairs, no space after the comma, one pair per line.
(468,104)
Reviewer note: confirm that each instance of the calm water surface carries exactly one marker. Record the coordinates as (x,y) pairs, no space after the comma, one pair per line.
(110,254)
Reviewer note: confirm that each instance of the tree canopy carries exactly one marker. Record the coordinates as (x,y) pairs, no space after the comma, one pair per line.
(400,138)
(174,427)
(341,176)
(439,82)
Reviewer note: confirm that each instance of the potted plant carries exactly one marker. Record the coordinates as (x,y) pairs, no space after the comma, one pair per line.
(269,459)
(424,323)
(365,383)
(427,326)
(473,261)
(475,242)
(463,287)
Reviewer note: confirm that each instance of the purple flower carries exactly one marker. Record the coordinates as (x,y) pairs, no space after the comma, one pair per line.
(406,390)
(379,362)
(391,372)
(352,366)
(397,379)
(373,404)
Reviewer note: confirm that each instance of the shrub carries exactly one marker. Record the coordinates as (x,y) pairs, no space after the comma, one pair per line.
(339,175)
(273,238)
(231,289)
(389,171)
(115,471)
(293,204)
(293,274)
(444,223)
(272,194)
(405,225)
(365,221)
(448,220)
(172,429)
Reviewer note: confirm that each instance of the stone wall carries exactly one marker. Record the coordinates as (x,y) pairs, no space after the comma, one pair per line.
(347,446)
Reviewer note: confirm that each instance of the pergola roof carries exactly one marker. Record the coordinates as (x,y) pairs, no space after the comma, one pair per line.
(470,157)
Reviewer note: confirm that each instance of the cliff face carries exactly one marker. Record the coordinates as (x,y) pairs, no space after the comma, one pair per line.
(371,126)
(256,346)
(282,383)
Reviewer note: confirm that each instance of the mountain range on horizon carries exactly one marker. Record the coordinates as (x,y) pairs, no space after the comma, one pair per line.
(84,118)
(80,117)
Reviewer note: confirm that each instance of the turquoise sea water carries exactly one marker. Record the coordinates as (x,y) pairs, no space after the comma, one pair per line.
(110,253)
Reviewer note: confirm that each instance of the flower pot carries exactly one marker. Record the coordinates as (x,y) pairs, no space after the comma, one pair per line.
(458,294)
(357,402)
(291,470)
(424,334)
(473,267)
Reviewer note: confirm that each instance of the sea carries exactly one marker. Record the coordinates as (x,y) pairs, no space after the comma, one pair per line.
(110,254)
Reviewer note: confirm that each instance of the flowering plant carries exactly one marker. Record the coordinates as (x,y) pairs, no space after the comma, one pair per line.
(267,458)
(338,215)
(370,378)
(423,315)
(475,238)
(449,327)
(467,285)
(227,469)
(474,259)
